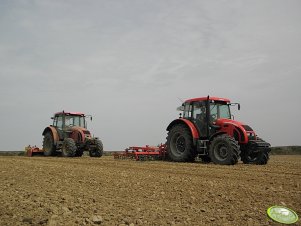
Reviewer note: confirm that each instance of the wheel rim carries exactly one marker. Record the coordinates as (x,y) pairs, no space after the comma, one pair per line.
(178,144)
(252,156)
(65,150)
(221,152)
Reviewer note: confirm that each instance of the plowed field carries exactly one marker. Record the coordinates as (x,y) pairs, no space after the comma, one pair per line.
(90,191)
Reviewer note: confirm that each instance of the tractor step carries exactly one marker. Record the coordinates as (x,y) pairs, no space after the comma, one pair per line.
(202,148)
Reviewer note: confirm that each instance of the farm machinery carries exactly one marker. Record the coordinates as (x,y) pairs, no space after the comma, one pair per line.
(143,153)
(206,129)
(33,151)
(68,136)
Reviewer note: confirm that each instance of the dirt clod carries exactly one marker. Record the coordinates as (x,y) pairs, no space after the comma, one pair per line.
(97,219)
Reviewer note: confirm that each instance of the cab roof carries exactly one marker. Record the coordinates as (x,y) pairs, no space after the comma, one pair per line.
(69,113)
(205,98)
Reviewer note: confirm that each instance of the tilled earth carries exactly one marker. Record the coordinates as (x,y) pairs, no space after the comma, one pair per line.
(91,191)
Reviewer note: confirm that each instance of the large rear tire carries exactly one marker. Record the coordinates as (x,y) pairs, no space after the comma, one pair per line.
(179,144)
(48,145)
(98,150)
(69,148)
(224,150)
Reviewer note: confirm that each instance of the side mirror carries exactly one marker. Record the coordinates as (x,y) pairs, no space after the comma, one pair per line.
(181,108)
(91,118)
(238,106)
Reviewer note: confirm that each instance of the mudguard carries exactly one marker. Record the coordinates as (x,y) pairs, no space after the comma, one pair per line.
(191,126)
(54,133)
(231,128)
(77,134)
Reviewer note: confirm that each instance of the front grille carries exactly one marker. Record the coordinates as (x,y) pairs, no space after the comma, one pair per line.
(86,132)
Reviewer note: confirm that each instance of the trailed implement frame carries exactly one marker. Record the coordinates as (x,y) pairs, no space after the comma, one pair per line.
(33,150)
(143,153)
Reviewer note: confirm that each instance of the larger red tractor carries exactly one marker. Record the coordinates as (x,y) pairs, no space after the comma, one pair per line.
(208,130)
(69,136)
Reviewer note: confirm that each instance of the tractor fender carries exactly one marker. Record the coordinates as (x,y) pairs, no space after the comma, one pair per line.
(189,124)
(77,134)
(54,133)
(236,131)
(215,135)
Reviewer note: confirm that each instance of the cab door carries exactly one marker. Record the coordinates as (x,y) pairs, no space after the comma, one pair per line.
(58,123)
(199,118)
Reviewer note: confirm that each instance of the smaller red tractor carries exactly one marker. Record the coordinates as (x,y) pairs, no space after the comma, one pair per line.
(208,130)
(69,136)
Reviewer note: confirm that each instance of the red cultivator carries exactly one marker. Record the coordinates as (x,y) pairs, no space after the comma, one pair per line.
(143,153)
(33,150)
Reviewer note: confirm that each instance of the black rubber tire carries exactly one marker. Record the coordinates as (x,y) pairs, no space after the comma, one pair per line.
(69,148)
(98,150)
(224,150)
(179,144)
(48,145)
(79,152)
(205,159)
(259,158)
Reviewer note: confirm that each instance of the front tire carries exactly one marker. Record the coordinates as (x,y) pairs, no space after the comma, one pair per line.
(69,148)
(179,144)
(259,158)
(98,150)
(224,150)
(79,152)
(48,145)
(251,156)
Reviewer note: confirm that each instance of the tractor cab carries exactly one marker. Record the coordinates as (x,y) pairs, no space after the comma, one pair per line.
(71,124)
(67,120)
(69,135)
(205,113)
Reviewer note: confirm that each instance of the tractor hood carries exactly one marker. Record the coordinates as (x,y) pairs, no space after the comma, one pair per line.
(79,128)
(243,133)
(80,133)
(222,121)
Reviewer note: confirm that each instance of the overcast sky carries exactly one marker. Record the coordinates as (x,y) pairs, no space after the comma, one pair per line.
(129,62)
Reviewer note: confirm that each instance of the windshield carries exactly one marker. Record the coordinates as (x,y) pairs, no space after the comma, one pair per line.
(220,110)
(75,120)
(70,121)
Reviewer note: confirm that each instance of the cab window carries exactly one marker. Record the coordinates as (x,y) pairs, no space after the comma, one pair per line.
(58,122)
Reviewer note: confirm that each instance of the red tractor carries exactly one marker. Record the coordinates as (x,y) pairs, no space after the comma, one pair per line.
(207,130)
(69,136)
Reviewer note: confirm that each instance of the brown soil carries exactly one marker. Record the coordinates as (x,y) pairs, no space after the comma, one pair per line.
(88,191)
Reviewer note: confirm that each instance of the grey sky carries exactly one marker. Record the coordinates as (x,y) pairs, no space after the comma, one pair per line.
(127,62)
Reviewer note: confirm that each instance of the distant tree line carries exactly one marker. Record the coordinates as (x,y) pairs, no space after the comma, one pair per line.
(286,150)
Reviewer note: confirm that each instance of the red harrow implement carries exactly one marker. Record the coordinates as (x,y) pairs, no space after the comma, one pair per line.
(33,150)
(143,153)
